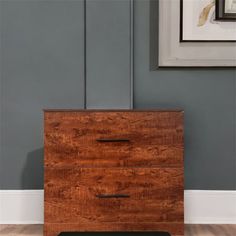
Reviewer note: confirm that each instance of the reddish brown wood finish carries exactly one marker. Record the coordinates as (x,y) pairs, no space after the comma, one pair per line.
(175,228)
(146,167)
(155,195)
(156,138)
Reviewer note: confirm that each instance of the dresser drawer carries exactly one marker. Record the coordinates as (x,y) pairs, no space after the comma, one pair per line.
(89,195)
(113,139)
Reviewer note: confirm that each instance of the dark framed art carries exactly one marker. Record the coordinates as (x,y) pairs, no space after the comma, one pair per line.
(202,21)
(202,53)
(226,10)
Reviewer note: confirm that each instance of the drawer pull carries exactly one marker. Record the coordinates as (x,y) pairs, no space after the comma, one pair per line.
(112,196)
(106,140)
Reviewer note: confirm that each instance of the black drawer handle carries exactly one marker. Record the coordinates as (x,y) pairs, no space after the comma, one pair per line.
(112,196)
(107,140)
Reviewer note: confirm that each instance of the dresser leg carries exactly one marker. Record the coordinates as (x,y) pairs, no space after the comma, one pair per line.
(51,233)
(48,232)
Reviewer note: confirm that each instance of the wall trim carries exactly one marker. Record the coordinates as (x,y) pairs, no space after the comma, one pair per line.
(131,54)
(85,55)
(21,206)
(201,207)
(210,207)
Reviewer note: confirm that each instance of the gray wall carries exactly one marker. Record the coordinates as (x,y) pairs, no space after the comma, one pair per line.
(209,100)
(75,54)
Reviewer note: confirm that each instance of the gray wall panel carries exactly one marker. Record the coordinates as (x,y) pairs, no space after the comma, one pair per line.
(108,53)
(42,66)
(209,99)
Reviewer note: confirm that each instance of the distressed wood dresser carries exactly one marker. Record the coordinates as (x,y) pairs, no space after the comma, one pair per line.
(115,170)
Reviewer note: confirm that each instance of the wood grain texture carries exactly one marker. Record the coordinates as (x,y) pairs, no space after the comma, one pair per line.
(21,230)
(173,228)
(190,230)
(210,230)
(138,155)
(156,195)
(156,138)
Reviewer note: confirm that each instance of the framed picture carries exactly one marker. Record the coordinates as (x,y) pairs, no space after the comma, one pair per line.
(173,53)
(199,21)
(226,10)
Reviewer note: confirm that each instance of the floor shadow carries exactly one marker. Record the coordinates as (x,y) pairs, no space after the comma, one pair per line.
(32,176)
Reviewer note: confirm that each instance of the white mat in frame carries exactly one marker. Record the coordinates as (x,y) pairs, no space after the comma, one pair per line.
(173,53)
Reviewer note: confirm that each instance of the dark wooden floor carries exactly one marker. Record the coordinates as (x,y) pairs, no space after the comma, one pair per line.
(190,230)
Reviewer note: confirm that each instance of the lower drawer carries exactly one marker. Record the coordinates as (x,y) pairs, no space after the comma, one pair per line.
(113,195)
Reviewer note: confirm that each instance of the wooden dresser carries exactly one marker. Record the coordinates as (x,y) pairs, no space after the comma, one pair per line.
(115,170)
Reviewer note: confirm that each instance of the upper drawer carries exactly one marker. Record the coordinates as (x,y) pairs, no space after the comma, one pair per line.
(113,138)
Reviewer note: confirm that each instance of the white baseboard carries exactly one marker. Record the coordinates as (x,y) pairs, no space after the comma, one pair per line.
(21,206)
(201,207)
(210,207)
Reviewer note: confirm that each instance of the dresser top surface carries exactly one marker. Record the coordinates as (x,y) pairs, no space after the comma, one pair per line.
(113,110)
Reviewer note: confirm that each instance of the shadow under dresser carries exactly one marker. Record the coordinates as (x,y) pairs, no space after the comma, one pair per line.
(113,170)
